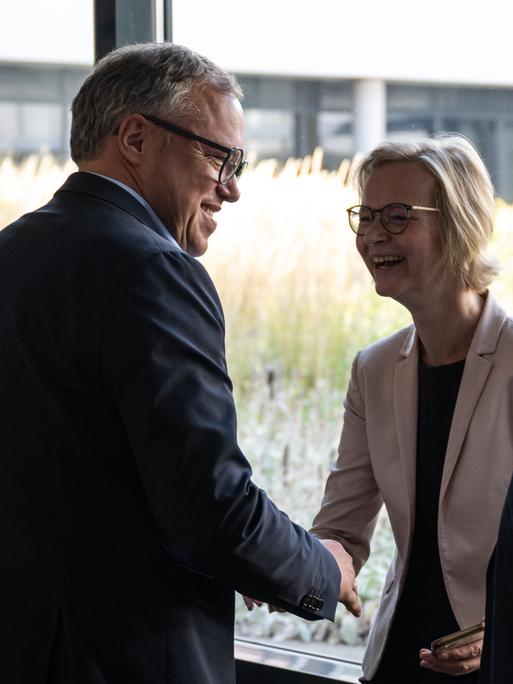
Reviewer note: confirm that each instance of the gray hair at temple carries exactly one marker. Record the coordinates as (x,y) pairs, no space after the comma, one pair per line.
(463,194)
(154,78)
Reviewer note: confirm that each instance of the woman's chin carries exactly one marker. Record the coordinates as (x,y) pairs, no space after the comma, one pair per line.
(384,290)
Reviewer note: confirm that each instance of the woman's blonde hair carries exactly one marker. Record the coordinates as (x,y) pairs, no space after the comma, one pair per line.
(463,194)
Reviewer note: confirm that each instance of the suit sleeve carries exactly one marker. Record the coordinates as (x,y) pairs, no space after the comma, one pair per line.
(352,500)
(165,369)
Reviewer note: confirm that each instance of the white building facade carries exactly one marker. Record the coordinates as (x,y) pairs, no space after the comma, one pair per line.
(339,74)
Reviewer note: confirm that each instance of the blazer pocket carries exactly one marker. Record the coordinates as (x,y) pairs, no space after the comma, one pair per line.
(175,582)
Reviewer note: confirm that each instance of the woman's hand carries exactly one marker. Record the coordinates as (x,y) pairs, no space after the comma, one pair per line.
(251,603)
(455,661)
(348,590)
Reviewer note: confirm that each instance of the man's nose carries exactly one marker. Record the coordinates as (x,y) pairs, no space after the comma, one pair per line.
(229,191)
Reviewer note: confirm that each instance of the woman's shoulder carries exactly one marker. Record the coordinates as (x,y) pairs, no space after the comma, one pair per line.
(389,349)
(495,329)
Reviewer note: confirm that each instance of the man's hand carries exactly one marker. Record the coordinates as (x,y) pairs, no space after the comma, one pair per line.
(455,661)
(348,591)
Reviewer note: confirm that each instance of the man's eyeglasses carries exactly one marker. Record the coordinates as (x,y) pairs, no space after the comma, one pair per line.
(394,217)
(233,164)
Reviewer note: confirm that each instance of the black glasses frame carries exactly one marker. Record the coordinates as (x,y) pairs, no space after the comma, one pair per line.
(229,151)
(373,212)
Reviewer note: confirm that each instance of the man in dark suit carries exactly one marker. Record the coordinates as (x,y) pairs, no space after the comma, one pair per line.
(127,511)
(497,660)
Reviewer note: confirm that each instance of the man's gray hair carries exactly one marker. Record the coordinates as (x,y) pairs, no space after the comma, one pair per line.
(150,78)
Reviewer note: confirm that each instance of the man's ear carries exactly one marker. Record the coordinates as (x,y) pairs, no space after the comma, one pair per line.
(132,137)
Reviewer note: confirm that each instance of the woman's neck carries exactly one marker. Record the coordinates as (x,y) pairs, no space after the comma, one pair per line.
(446,328)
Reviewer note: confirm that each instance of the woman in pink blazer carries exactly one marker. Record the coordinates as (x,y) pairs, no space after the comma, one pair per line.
(428,423)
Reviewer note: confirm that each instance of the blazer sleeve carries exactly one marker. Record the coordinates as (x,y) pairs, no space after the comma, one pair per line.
(164,367)
(352,500)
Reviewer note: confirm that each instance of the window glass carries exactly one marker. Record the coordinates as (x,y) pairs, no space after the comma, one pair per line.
(29,127)
(299,303)
(335,136)
(46,52)
(40,125)
(9,125)
(505,166)
(270,133)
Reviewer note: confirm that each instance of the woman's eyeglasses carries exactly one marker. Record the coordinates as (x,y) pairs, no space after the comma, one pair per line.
(394,217)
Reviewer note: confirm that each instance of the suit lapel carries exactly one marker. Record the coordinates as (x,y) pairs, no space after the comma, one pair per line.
(473,381)
(405,408)
(475,375)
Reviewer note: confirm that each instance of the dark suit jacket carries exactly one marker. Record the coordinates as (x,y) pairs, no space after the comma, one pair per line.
(127,513)
(497,659)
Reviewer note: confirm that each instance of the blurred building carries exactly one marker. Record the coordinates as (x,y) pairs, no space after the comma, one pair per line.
(329,73)
(35,106)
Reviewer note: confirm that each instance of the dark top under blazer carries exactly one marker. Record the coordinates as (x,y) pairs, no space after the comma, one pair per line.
(127,513)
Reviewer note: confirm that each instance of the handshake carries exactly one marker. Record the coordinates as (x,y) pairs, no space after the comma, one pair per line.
(348,592)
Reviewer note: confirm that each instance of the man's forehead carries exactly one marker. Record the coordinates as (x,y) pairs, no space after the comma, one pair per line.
(218,114)
(208,102)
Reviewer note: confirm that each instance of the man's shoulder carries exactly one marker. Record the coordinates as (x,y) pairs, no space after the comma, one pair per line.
(103,235)
(92,220)
(102,210)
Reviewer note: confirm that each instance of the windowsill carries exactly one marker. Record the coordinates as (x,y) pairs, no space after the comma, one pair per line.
(298,661)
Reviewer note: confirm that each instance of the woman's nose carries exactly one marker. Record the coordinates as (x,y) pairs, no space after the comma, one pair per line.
(375,232)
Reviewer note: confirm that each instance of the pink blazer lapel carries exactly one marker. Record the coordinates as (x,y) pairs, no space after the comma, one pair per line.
(475,375)
(474,379)
(405,409)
